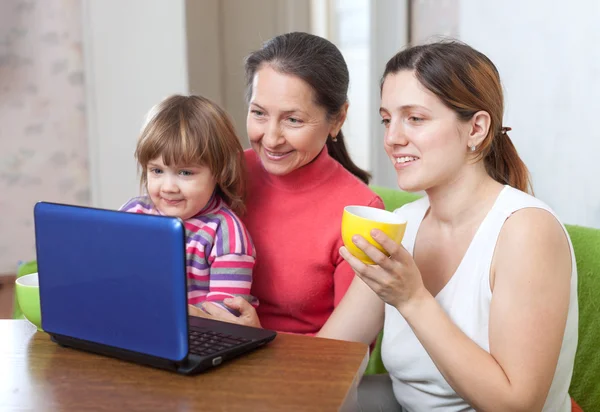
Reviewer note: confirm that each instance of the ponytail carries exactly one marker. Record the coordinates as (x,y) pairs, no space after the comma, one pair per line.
(504,165)
(337,150)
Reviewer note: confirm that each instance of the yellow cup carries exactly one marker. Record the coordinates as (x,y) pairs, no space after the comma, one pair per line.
(360,220)
(28,297)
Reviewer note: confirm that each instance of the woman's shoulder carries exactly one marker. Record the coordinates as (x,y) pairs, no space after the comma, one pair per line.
(534,245)
(532,232)
(515,199)
(351,190)
(528,216)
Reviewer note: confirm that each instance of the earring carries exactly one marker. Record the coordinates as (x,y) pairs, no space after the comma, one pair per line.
(473,148)
(334,139)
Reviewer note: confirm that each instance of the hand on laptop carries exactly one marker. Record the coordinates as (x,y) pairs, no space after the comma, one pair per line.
(248,316)
(195,311)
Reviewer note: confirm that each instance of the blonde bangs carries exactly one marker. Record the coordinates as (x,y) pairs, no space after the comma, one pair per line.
(172,140)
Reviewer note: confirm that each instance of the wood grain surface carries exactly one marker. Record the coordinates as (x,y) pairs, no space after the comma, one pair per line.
(293,373)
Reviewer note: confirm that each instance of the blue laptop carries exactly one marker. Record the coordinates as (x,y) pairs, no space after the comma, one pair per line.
(114,283)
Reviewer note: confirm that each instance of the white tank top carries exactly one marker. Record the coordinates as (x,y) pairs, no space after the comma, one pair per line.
(418,385)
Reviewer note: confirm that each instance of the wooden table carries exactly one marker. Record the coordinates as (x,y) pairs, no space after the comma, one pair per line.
(292,373)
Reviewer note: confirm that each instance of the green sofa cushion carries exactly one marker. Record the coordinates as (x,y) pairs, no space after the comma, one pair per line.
(585,385)
(394,198)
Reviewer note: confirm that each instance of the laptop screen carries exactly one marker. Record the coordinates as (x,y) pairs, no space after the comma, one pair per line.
(113,278)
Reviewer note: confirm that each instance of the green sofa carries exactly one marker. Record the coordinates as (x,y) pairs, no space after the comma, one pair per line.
(585,385)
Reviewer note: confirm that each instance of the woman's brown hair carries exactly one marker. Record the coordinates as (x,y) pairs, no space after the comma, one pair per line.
(192,130)
(321,65)
(466,81)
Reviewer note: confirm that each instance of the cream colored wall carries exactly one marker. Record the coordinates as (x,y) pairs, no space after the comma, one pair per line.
(43,146)
(549,62)
(205,48)
(135,56)
(220,33)
(433,20)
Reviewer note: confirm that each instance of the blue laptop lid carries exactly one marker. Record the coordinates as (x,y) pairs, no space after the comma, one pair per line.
(113,278)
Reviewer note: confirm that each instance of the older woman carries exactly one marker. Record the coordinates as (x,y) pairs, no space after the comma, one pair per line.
(479,304)
(300,179)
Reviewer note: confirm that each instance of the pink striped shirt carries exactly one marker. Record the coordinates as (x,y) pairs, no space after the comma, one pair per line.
(220,253)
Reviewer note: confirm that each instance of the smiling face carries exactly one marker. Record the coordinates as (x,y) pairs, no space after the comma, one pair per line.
(285,127)
(180,191)
(424,139)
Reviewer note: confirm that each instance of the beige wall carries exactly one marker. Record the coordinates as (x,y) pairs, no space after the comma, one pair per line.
(135,56)
(43,147)
(220,33)
(433,20)
(205,48)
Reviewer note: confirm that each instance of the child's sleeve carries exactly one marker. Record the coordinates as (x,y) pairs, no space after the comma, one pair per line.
(137,205)
(231,263)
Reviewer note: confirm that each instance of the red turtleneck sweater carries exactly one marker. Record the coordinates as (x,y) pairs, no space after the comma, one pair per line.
(294,220)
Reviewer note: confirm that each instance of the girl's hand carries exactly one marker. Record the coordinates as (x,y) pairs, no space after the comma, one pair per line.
(396,279)
(248,315)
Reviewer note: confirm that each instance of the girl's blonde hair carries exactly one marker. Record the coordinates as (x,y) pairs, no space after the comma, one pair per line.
(192,130)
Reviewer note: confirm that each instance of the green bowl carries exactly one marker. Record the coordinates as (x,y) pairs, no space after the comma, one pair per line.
(28,297)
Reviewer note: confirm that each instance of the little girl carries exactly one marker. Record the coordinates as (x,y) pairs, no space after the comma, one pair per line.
(191,164)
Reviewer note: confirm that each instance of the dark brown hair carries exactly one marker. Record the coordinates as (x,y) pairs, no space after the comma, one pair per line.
(321,65)
(192,130)
(466,81)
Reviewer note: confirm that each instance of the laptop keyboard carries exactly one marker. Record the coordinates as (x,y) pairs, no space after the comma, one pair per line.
(206,342)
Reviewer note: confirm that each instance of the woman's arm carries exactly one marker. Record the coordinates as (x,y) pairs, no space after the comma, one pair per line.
(343,277)
(531,272)
(358,317)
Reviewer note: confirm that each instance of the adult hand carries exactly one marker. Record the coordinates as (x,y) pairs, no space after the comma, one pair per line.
(248,315)
(195,311)
(396,279)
